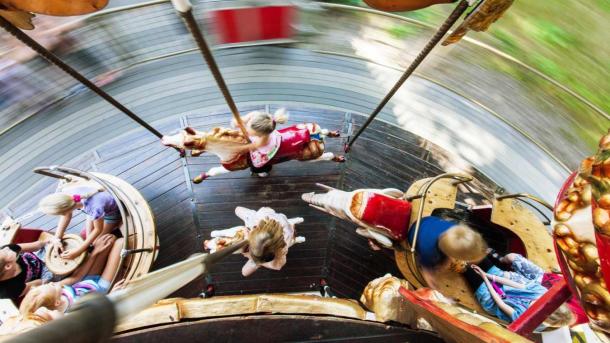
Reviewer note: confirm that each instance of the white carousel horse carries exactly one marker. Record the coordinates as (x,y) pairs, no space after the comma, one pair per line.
(380,213)
(303,142)
(252,219)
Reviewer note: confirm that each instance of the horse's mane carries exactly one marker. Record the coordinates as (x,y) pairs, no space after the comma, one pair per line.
(224,135)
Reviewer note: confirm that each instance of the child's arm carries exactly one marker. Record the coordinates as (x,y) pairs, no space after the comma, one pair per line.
(29,285)
(98,225)
(33,246)
(496,297)
(249,268)
(62,225)
(64,221)
(505,281)
(254,145)
(99,246)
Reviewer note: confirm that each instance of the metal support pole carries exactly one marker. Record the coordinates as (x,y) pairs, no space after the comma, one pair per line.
(49,56)
(184,8)
(93,320)
(453,17)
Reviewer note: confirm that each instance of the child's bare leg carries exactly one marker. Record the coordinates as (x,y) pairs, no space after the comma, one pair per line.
(509,258)
(100,261)
(113,260)
(110,226)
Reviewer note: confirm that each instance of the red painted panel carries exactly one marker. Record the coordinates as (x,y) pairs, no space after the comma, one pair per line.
(384,211)
(254,23)
(226,26)
(541,309)
(26,235)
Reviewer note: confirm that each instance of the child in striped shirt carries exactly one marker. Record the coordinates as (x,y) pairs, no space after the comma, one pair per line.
(52,300)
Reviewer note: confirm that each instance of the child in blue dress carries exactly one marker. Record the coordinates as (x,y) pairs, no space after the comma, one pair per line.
(507,294)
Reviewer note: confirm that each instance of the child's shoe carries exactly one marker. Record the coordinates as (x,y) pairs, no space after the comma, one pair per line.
(339,158)
(199,178)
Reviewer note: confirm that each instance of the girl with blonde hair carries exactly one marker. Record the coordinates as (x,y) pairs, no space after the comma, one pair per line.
(269,236)
(441,242)
(52,300)
(102,212)
(270,144)
(266,140)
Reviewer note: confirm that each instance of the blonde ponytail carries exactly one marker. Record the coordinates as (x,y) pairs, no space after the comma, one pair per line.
(265,123)
(265,240)
(60,203)
(56,204)
(37,297)
(280,116)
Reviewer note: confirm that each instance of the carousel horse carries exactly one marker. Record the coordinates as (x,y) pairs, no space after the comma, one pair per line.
(269,235)
(303,142)
(20,12)
(483,14)
(380,213)
(404,5)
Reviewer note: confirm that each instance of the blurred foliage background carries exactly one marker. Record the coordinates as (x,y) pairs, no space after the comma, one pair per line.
(566,40)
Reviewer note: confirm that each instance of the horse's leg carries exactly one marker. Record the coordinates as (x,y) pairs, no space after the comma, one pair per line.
(379,238)
(212,172)
(329,156)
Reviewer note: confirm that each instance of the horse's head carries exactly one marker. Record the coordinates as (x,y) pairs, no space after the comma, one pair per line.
(187,138)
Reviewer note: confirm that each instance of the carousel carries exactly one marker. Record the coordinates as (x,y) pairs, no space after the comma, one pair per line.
(324,246)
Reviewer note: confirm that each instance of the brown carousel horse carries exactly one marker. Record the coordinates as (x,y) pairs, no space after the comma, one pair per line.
(19,12)
(483,14)
(302,142)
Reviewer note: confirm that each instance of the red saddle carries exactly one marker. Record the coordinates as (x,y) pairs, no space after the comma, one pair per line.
(293,141)
(388,213)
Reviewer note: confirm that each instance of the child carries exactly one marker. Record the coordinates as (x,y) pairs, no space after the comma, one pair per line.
(507,295)
(52,300)
(102,211)
(442,242)
(269,235)
(21,267)
(265,138)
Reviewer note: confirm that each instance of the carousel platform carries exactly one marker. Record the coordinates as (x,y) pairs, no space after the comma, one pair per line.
(185,213)
(83,132)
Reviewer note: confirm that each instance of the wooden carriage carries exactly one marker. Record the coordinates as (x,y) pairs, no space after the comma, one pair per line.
(521,227)
(138,226)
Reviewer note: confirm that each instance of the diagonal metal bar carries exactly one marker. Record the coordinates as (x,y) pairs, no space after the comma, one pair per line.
(453,17)
(49,56)
(186,13)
